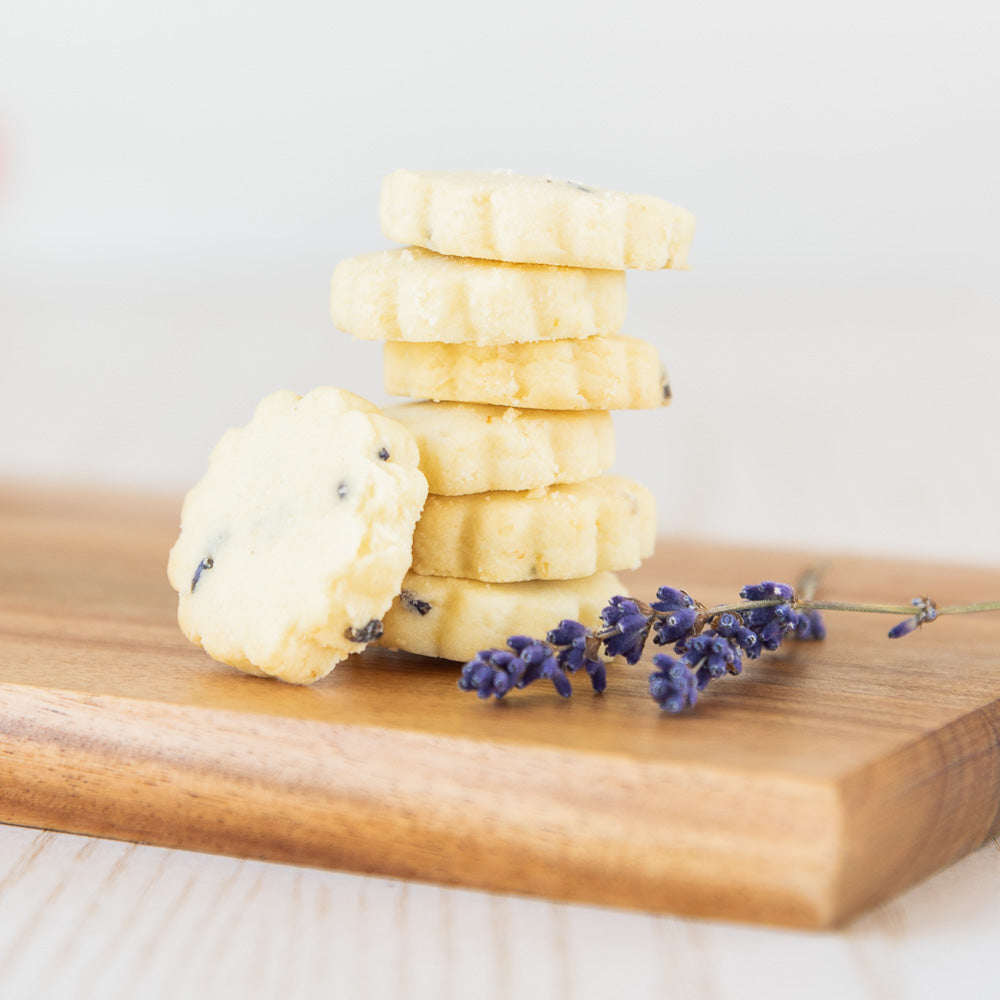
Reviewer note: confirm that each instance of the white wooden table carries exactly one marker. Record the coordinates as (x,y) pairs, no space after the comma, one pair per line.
(83,917)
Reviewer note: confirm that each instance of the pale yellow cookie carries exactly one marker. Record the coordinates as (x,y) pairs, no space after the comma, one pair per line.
(552,533)
(296,540)
(505,216)
(475,447)
(599,373)
(455,619)
(414,294)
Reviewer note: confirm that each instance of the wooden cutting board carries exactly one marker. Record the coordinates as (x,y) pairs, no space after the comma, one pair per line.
(825,779)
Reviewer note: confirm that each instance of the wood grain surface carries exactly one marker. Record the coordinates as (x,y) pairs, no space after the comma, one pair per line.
(824,780)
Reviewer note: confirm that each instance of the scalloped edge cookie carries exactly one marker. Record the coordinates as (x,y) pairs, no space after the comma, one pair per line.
(505,216)
(476,447)
(455,619)
(598,373)
(553,533)
(296,540)
(417,295)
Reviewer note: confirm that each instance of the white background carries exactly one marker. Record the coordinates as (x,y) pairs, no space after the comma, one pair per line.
(179,180)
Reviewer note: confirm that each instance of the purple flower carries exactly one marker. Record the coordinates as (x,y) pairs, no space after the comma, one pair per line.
(569,647)
(597,673)
(767,590)
(492,673)
(927,612)
(712,656)
(540,661)
(674,626)
(631,627)
(495,672)
(703,654)
(810,626)
(668,599)
(567,631)
(905,627)
(673,686)
(771,624)
(705,657)
(731,626)
(579,649)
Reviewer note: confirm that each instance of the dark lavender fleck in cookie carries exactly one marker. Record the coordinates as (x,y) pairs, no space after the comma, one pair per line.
(207,563)
(369,633)
(414,603)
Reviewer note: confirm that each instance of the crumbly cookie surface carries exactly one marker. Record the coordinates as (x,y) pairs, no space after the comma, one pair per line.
(296,540)
(510,217)
(414,294)
(455,619)
(598,373)
(476,447)
(552,533)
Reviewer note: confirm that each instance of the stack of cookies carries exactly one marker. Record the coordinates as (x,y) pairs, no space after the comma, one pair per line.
(502,314)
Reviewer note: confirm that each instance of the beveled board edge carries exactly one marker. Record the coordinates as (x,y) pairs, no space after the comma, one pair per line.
(947,784)
(702,841)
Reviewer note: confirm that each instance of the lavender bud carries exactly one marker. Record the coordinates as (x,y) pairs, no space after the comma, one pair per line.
(767,590)
(501,683)
(598,674)
(702,676)
(631,628)
(570,658)
(668,599)
(559,680)
(566,632)
(771,634)
(673,686)
(519,642)
(675,626)
(905,627)
(810,626)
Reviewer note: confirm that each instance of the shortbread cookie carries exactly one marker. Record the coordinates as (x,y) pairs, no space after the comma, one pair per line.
(504,216)
(552,533)
(455,619)
(414,294)
(475,447)
(296,540)
(599,373)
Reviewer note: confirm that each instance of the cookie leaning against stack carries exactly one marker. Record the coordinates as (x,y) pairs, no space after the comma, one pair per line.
(504,312)
(297,538)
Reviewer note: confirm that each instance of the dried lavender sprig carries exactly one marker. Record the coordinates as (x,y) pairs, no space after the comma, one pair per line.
(707,653)
(711,641)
